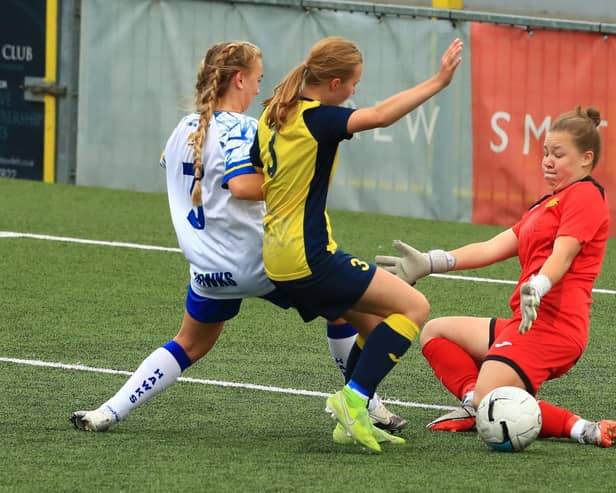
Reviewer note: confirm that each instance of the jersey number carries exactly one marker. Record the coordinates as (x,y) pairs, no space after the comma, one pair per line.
(271,169)
(355,262)
(196,219)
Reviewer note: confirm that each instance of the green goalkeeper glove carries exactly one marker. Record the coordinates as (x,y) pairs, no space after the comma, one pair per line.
(531,293)
(413,264)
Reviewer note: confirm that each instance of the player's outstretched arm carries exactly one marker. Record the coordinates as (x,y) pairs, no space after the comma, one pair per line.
(398,105)
(413,265)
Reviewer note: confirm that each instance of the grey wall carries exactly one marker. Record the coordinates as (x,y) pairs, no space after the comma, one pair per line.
(137,68)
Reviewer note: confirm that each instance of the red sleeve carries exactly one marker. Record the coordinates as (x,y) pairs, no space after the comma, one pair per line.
(582,212)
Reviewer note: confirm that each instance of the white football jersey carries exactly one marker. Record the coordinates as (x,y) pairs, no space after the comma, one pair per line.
(222,239)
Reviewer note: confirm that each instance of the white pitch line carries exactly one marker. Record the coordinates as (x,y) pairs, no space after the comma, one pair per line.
(218,383)
(502,281)
(202,381)
(137,246)
(13,234)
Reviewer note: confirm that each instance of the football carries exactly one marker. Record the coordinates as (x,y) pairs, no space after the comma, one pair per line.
(508,419)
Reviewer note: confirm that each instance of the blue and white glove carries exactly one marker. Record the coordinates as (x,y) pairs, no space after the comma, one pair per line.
(413,264)
(531,293)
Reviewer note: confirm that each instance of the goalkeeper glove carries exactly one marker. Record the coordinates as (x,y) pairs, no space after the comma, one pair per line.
(531,293)
(413,264)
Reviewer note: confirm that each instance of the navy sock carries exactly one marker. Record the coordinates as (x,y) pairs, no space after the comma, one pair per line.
(383,349)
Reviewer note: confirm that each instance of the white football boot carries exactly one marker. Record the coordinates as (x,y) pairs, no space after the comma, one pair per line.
(92,420)
(383,418)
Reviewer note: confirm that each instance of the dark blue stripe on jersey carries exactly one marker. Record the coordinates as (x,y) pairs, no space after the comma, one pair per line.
(178,353)
(242,170)
(188,169)
(255,153)
(237,163)
(327,124)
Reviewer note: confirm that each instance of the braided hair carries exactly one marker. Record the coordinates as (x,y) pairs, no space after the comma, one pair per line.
(216,70)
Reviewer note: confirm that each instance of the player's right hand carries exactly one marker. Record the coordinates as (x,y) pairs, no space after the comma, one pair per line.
(450,61)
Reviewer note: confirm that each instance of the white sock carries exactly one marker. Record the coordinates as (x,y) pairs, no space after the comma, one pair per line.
(578,427)
(340,340)
(467,400)
(374,402)
(157,372)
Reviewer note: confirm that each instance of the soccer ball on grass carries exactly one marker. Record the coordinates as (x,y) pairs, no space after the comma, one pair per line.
(508,419)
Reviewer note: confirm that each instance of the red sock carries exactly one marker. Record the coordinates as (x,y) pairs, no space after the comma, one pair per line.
(453,366)
(556,421)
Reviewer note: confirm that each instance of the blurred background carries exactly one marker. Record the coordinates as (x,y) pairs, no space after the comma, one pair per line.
(91,89)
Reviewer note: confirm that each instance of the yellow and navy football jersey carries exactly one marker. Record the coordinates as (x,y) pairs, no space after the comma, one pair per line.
(299,161)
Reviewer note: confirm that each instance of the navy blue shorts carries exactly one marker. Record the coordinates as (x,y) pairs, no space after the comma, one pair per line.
(209,310)
(336,284)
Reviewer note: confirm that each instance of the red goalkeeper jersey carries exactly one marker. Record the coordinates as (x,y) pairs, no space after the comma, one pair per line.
(580,211)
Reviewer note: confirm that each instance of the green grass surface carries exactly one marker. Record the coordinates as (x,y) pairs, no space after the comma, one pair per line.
(109,307)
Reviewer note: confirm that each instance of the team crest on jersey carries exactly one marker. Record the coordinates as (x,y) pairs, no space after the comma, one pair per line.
(552,203)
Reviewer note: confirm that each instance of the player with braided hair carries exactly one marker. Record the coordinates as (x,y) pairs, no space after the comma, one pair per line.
(560,242)
(214,194)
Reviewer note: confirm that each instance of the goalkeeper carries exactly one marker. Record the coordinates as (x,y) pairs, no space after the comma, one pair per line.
(560,242)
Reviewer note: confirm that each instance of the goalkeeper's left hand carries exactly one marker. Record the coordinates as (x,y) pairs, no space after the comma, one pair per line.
(531,293)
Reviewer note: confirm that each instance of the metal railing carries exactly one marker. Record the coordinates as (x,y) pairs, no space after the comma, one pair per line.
(380,9)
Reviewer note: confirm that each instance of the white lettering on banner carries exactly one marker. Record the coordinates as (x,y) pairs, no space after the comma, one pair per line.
(413,126)
(380,137)
(414,121)
(529,128)
(16,53)
(8,173)
(499,115)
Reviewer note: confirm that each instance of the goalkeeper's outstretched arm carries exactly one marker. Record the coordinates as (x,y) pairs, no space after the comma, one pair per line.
(413,264)
(475,255)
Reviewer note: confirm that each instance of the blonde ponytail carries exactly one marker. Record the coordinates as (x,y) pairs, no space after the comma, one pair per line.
(331,58)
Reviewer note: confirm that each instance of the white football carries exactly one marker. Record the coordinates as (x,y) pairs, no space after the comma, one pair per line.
(508,419)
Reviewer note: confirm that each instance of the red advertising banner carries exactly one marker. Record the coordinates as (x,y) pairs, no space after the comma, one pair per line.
(521,81)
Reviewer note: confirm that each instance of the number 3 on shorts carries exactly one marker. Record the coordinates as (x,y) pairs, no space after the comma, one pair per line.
(355,262)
